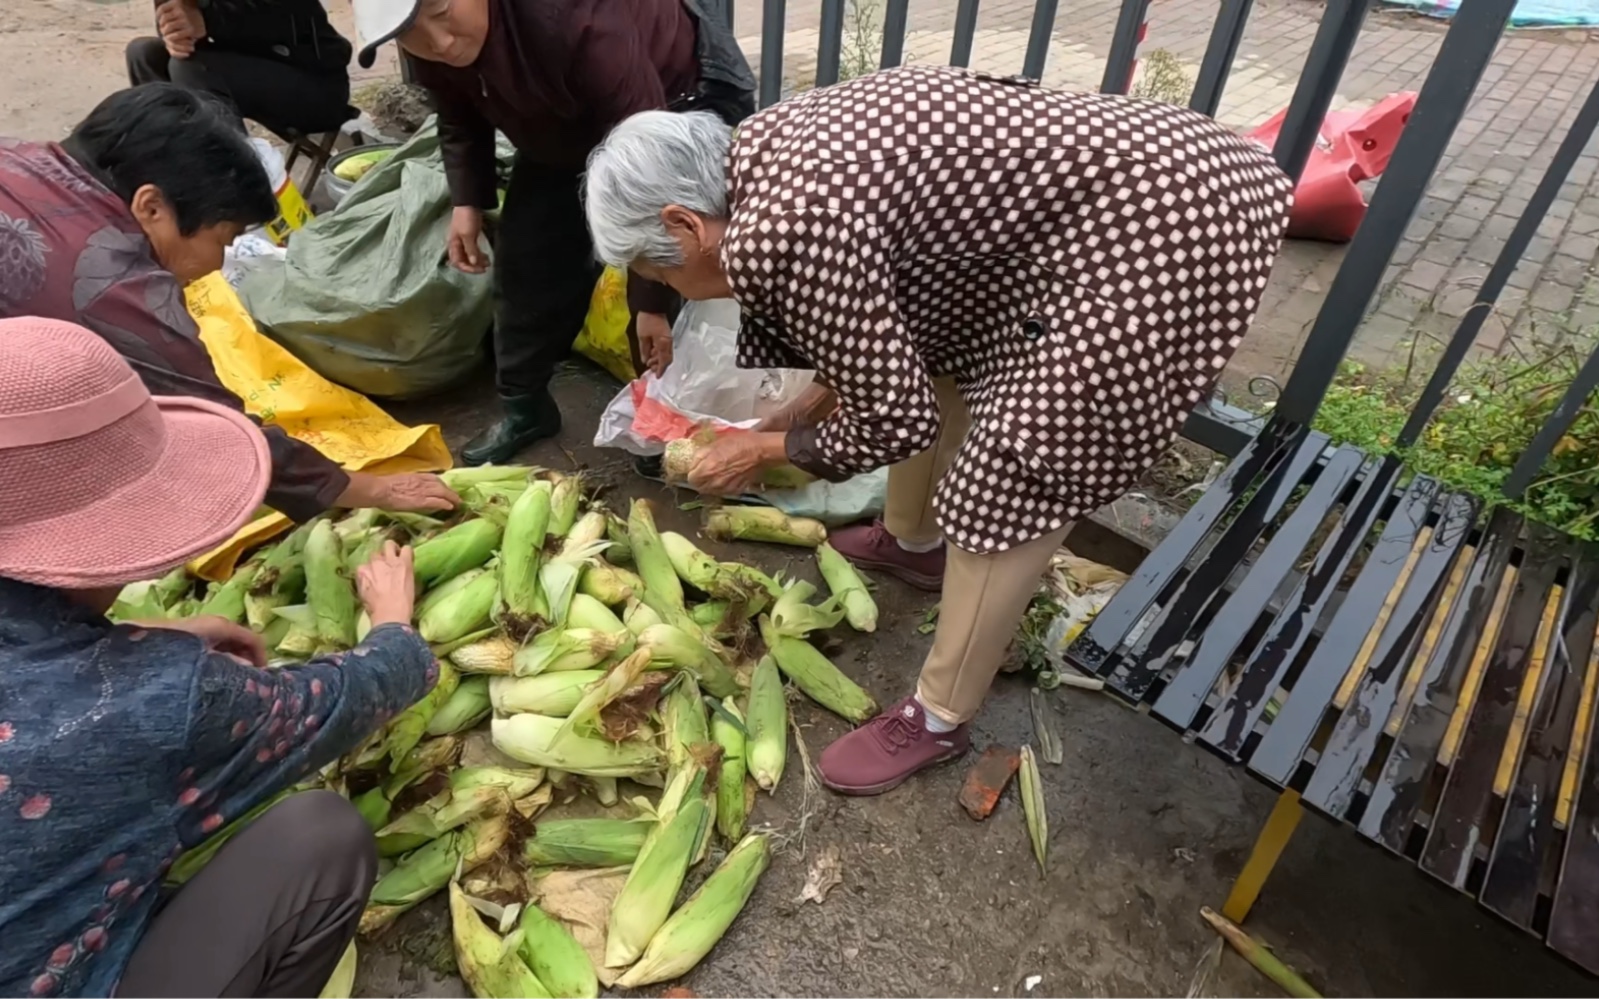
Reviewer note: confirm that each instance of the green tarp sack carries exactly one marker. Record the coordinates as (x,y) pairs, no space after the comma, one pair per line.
(365,295)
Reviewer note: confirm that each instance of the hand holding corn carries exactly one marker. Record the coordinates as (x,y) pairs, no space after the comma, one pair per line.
(387,585)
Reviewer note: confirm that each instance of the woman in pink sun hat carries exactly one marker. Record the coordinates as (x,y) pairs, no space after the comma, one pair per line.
(123,745)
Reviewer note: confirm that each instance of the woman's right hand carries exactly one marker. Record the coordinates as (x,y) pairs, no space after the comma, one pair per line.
(464,246)
(387,585)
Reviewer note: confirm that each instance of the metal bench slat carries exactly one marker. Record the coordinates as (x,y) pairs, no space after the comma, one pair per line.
(1576,897)
(1143,665)
(1098,649)
(1240,710)
(1527,830)
(1219,642)
(1356,734)
(1289,734)
(1459,823)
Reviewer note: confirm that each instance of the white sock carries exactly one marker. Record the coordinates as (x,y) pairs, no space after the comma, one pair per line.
(932,722)
(919,547)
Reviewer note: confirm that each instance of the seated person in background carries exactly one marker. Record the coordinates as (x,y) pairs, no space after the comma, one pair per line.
(105,229)
(277,62)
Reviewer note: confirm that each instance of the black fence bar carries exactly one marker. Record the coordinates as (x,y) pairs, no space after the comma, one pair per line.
(773,13)
(895,15)
(1465,53)
(960,50)
(831,42)
(1318,81)
(1554,428)
(1220,52)
(1038,39)
(1554,178)
(1118,78)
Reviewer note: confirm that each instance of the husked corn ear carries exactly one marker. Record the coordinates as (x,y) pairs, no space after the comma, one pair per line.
(821,681)
(671,646)
(533,740)
(462,612)
(555,956)
(690,933)
(849,587)
(465,546)
(662,589)
(487,655)
(492,969)
(328,590)
(730,803)
(586,842)
(520,556)
(652,885)
(574,648)
(763,523)
(681,454)
(465,707)
(766,720)
(609,584)
(553,694)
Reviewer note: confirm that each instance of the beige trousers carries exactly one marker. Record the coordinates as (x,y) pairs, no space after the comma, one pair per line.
(985,596)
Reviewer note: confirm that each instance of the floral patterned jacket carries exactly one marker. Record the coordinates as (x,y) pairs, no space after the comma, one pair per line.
(121,747)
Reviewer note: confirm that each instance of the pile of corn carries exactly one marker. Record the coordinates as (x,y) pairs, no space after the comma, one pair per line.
(594,649)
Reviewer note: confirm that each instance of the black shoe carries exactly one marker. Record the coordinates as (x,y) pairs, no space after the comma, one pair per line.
(527,420)
(649,466)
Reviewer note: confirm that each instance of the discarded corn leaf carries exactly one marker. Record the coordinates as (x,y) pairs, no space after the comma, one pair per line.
(1044,727)
(1032,789)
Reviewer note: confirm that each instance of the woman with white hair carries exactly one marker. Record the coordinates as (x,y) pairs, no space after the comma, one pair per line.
(1010,293)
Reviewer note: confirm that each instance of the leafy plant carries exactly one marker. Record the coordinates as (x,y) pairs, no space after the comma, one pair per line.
(1163,79)
(863,39)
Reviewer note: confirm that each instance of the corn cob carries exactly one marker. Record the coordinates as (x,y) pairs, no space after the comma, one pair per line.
(683,716)
(584,717)
(410,725)
(462,612)
(848,587)
(671,646)
(341,984)
(639,616)
(766,721)
(466,477)
(763,523)
(328,590)
(575,648)
(465,707)
(685,938)
(564,500)
(488,655)
(428,868)
(609,584)
(520,557)
(681,454)
(621,550)
(492,968)
(1032,790)
(652,884)
(662,590)
(730,803)
(586,842)
(555,956)
(227,599)
(447,810)
(532,739)
(463,547)
(553,694)
(814,674)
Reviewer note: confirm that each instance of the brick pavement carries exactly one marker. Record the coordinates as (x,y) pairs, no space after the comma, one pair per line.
(1526,100)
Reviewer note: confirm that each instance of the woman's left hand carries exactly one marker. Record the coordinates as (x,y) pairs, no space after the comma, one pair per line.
(219,634)
(733,464)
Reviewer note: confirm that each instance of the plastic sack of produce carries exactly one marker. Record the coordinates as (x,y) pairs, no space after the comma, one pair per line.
(365,296)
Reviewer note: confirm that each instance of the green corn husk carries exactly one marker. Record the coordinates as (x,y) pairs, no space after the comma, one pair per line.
(328,590)
(1032,790)
(848,587)
(428,756)
(466,477)
(493,968)
(283,565)
(466,706)
(532,740)
(276,630)
(493,654)
(712,617)
(690,933)
(410,725)
(584,717)
(356,522)
(731,813)
(816,675)
(375,807)
(139,601)
(683,717)
(462,612)
(766,720)
(586,842)
(191,861)
(722,580)
(517,783)
(639,616)
(361,550)
(764,524)
(662,589)
(587,612)
(555,956)
(467,545)
(589,529)
(574,648)
(621,550)
(558,579)
(520,558)
(258,608)
(447,810)
(226,600)
(553,694)
(564,501)
(419,526)
(794,616)
(671,646)
(652,884)
(609,584)
(341,984)
(428,868)
(445,591)
(185,608)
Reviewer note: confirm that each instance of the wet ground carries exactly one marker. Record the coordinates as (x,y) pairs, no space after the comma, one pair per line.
(1144,830)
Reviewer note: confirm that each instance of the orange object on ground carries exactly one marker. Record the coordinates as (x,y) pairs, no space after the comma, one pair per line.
(986,780)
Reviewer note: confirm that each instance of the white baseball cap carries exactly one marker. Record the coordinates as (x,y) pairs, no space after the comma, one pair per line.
(379,21)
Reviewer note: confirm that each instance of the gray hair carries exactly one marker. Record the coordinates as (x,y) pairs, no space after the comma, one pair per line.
(649,161)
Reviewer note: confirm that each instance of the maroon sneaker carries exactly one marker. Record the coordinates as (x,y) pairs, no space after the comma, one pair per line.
(887,750)
(874,548)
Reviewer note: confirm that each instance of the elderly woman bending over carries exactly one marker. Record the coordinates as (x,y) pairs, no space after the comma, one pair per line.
(1012,295)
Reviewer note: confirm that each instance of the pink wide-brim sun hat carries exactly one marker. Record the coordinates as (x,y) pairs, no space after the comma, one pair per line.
(102,484)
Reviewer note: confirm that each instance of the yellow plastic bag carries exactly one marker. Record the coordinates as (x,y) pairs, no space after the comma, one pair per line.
(278,389)
(604,336)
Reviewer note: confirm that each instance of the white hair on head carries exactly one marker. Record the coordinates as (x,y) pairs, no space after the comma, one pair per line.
(649,161)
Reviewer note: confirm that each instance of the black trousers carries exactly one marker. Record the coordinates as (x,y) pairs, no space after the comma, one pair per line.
(281,96)
(544,267)
(272,912)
